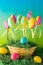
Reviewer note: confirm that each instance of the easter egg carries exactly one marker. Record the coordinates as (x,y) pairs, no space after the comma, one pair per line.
(14,56)
(3,50)
(24,21)
(37,59)
(23,40)
(31,23)
(29,15)
(38,20)
(19,19)
(14,18)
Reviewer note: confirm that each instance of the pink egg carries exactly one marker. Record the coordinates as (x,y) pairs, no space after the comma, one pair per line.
(14,56)
(14,18)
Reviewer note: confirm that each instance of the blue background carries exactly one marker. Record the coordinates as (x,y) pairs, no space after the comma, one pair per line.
(9,7)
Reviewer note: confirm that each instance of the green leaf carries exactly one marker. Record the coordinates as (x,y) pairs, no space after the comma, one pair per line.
(1,63)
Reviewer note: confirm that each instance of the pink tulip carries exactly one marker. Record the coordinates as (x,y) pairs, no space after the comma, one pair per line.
(29,15)
(14,18)
(38,20)
(5,24)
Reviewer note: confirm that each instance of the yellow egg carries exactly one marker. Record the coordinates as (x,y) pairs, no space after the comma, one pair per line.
(3,50)
(37,59)
(31,23)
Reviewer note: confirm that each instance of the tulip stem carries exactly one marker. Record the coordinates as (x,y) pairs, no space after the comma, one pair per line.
(7,34)
(23,30)
(39,31)
(32,33)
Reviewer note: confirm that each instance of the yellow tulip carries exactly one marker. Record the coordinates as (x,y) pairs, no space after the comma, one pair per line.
(31,23)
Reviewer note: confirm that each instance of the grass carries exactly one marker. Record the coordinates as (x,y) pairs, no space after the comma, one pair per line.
(5,59)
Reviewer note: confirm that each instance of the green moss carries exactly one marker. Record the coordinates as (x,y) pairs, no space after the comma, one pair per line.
(5,59)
